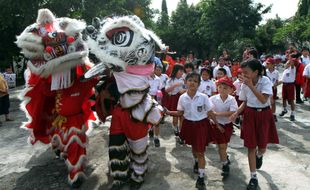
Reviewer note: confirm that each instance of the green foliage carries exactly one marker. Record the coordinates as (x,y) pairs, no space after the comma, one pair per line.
(264,36)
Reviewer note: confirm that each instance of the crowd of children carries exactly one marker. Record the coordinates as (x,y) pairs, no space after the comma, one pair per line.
(207,100)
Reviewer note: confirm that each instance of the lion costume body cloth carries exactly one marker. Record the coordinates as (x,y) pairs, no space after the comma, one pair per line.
(55,100)
(126,51)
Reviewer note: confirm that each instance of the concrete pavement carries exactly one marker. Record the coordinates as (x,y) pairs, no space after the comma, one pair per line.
(286,166)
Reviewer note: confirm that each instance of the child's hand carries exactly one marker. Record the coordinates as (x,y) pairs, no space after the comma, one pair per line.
(247,82)
(233,117)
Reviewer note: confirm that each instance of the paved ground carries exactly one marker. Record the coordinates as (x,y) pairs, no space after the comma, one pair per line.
(286,166)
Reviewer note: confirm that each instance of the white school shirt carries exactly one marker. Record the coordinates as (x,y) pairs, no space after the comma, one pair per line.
(289,75)
(273,76)
(154,85)
(171,82)
(207,87)
(230,104)
(237,85)
(305,60)
(225,67)
(163,80)
(264,86)
(306,71)
(196,108)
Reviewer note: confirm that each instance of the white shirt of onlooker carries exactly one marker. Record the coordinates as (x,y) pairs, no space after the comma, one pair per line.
(177,89)
(273,76)
(264,86)
(225,67)
(196,108)
(306,71)
(289,75)
(230,104)
(237,85)
(305,60)
(207,87)
(154,85)
(163,80)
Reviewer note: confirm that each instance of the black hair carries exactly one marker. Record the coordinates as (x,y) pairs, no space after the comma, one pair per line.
(223,70)
(159,66)
(253,52)
(208,70)
(305,49)
(175,69)
(189,65)
(193,75)
(254,65)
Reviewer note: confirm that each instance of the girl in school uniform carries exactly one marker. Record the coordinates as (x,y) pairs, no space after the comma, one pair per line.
(236,93)
(306,74)
(206,86)
(174,88)
(224,106)
(163,80)
(155,86)
(195,107)
(258,127)
(273,75)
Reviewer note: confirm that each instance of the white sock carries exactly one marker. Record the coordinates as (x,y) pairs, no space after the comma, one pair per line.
(176,128)
(284,109)
(259,155)
(225,162)
(292,112)
(155,136)
(253,175)
(201,172)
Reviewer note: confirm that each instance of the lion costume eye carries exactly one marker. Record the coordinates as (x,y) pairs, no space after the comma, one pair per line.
(52,34)
(120,36)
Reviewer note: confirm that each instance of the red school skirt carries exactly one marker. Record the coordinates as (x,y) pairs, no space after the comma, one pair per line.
(196,133)
(258,128)
(288,91)
(222,138)
(171,102)
(307,88)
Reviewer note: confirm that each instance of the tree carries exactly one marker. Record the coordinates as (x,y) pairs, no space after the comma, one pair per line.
(265,33)
(225,23)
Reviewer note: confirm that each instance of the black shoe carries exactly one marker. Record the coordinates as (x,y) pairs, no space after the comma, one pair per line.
(181,142)
(196,167)
(259,162)
(283,113)
(57,153)
(299,102)
(252,184)
(228,161)
(200,183)
(77,183)
(275,118)
(292,118)
(225,170)
(151,133)
(156,142)
(135,185)
(176,133)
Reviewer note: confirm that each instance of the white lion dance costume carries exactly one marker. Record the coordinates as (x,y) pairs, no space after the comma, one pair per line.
(126,50)
(55,100)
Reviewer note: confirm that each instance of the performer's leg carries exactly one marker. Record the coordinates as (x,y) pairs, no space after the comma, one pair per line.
(75,154)
(138,158)
(119,159)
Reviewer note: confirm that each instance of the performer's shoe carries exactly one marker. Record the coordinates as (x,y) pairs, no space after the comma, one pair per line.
(77,183)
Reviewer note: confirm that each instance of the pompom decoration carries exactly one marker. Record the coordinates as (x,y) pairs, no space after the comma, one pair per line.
(49,49)
(70,39)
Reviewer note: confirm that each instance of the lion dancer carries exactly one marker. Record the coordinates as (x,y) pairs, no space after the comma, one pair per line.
(126,51)
(56,99)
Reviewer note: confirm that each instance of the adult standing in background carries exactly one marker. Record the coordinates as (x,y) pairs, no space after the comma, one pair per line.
(4,99)
(221,64)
